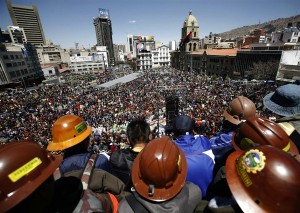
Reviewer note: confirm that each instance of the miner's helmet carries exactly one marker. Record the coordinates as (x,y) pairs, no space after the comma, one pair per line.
(159,170)
(67,131)
(239,110)
(264,179)
(24,166)
(260,131)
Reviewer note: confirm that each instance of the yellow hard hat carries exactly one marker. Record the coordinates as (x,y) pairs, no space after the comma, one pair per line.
(68,131)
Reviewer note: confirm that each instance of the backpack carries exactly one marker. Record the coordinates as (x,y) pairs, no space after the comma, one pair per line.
(92,201)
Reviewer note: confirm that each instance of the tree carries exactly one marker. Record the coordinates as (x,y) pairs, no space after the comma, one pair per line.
(264,70)
(132,64)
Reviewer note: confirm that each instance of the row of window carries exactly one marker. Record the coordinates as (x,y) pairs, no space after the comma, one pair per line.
(18,73)
(15,64)
(12,56)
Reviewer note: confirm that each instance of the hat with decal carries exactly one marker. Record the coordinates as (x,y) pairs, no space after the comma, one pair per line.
(264,179)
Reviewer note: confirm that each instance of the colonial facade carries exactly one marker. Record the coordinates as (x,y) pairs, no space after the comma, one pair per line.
(190,25)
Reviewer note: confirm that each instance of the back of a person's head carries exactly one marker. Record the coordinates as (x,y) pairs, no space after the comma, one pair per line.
(183,125)
(138,131)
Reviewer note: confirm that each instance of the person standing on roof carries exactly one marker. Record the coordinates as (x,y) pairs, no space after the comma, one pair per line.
(200,159)
(71,136)
(239,110)
(285,102)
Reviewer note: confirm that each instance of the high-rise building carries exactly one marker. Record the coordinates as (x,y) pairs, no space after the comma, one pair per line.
(17,34)
(27,17)
(103,29)
(173,45)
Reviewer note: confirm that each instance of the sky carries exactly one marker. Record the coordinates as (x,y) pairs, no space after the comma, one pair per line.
(66,22)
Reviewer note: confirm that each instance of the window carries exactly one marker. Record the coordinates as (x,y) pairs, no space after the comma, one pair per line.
(12,74)
(8,65)
(50,71)
(5,56)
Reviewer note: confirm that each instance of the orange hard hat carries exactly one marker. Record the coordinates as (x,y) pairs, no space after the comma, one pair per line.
(24,166)
(260,131)
(264,179)
(159,170)
(239,109)
(68,131)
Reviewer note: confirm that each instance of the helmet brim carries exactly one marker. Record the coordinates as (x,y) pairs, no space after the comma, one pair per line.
(236,185)
(230,118)
(160,194)
(293,148)
(59,146)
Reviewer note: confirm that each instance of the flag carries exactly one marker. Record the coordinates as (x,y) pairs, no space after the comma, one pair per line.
(186,39)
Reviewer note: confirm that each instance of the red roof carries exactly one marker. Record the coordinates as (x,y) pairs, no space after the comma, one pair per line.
(224,52)
(63,70)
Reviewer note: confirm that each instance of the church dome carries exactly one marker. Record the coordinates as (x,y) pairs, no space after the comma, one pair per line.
(190,21)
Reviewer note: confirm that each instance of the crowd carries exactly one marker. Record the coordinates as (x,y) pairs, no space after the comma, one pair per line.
(30,114)
(229,164)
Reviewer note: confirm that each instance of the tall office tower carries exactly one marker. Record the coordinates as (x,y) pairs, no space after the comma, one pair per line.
(27,17)
(173,45)
(103,29)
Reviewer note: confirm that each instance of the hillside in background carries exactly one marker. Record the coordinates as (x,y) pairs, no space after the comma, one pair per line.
(269,27)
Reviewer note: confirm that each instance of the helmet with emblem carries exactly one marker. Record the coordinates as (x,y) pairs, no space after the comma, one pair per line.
(24,167)
(239,109)
(260,131)
(159,170)
(264,179)
(67,131)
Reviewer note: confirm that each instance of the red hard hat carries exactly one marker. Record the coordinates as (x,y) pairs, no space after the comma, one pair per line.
(159,170)
(24,166)
(264,179)
(260,131)
(239,109)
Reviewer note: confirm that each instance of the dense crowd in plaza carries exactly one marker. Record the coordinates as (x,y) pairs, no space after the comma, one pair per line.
(112,147)
(30,114)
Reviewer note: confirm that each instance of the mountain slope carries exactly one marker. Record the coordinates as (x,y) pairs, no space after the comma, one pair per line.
(270,26)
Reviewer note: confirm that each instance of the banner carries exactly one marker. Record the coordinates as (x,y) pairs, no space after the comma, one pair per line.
(104,13)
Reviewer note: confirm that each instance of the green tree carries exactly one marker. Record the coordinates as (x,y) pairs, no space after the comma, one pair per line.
(264,70)
(214,77)
(132,64)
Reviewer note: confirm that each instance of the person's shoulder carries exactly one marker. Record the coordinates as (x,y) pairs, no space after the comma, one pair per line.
(123,154)
(202,143)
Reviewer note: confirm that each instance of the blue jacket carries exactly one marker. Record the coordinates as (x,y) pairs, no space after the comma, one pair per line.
(221,146)
(78,162)
(200,160)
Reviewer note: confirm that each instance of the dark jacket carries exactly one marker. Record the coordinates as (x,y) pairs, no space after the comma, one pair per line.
(121,163)
(185,201)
